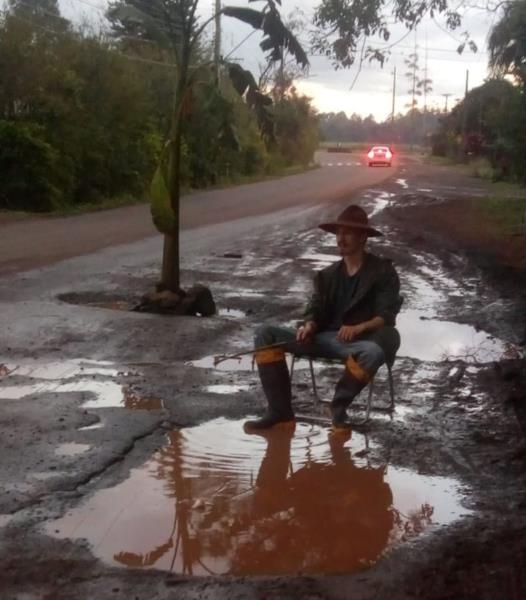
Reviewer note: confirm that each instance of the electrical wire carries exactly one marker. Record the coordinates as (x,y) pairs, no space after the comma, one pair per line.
(240,44)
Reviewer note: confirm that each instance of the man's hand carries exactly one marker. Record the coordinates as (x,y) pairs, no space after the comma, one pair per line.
(305,332)
(347,333)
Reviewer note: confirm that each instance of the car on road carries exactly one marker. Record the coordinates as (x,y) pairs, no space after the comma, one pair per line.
(380,155)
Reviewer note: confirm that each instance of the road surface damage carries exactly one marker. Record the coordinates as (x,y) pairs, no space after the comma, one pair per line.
(428,501)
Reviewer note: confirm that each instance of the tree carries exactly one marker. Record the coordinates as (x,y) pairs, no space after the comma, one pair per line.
(175,27)
(344,26)
(411,62)
(507,43)
(492,118)
(43,12)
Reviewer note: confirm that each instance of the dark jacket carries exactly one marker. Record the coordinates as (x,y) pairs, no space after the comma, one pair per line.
(377,295)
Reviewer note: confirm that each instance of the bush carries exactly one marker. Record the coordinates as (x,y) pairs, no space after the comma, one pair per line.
(481,167)
(30,167)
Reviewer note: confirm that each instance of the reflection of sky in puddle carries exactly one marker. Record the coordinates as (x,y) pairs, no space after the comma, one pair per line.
(242,293)
(62,369)
(241,363)
(320,257)
(98,425)
(214,500)
(380,199)
(402,411)
(227,389)
(319,260)
(68,377)
(231,312)
(433,340)
(71,449)
(402,183)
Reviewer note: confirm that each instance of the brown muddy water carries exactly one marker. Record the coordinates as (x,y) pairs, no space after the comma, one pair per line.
(214,500)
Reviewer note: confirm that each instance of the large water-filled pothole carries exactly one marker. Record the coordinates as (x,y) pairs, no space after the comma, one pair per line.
(433,340)
(95,379)
(214,500)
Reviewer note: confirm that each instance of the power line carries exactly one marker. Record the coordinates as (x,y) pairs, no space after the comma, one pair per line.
(240,43)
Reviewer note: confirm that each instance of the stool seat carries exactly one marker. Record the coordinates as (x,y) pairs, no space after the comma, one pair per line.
(368,407)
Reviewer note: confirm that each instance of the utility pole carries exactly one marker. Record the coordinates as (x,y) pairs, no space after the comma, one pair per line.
(394,97)
(446,96)
(465,120)
(217,41)
(424,116)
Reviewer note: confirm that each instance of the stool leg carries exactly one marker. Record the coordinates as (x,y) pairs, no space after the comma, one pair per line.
(292,366)
(391,387)
(369,400)
(314,386)
(368,405)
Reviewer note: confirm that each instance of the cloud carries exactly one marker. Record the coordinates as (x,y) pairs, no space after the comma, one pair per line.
(329,88)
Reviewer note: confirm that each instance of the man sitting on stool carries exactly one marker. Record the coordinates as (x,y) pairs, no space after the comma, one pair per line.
(351,316)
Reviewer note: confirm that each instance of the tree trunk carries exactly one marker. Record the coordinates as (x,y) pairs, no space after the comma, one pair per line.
(170,277)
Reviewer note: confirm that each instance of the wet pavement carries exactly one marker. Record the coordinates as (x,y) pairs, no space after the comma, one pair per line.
(125,448)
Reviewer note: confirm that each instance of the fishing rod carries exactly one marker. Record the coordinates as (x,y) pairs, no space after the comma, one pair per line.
(222,357)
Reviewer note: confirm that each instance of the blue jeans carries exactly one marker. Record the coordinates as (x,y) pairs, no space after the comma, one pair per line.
(325,344)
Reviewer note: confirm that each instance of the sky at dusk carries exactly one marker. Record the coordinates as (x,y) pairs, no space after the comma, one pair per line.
(371,93)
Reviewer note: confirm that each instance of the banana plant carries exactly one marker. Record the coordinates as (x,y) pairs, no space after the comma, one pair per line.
(176,28)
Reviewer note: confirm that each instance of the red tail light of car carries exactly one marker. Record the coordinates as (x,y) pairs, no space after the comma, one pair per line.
(388,154)
(371,154)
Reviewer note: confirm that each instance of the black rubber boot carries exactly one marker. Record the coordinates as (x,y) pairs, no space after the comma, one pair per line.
(351,383)
(275,380)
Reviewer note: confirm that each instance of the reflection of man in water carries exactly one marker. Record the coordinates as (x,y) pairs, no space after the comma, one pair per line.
(351,317)
(326,517)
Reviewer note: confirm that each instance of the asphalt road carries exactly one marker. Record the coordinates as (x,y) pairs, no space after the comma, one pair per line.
(71,421)
(36,242)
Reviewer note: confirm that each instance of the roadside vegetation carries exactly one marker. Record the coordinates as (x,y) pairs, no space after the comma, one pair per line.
(415,127)
(488,128)
(84,116)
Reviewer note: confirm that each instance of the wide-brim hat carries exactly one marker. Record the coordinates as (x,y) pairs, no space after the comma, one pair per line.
(353,217)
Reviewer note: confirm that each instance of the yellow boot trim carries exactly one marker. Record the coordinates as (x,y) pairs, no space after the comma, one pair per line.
(357,371)
(270,355)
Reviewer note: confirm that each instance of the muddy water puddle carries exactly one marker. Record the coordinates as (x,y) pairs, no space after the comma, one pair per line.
(227,389)
(379,200)
(92,378)
(214,500)
(433,340)
(232,313)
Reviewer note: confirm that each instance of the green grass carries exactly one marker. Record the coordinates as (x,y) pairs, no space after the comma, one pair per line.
(508,214)
(441,161)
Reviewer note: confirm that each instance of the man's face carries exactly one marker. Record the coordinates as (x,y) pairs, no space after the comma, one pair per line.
(350,241)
